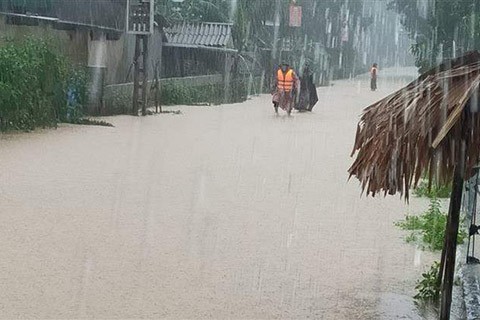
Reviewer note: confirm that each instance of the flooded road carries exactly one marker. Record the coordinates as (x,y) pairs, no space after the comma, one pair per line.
(221,212)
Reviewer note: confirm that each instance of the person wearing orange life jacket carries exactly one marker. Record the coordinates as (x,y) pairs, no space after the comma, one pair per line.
(373,77)
(286,83)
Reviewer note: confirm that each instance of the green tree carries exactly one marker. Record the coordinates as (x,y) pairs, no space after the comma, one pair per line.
(250,23)
(441,29)
(196,10)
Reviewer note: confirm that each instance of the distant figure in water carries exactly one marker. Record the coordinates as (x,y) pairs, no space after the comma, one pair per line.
(308,91)
(373,77)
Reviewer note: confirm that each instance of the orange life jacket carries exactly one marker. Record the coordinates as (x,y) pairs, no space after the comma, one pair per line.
(285,81)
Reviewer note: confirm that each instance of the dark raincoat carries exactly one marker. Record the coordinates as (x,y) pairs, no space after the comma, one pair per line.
(308,92)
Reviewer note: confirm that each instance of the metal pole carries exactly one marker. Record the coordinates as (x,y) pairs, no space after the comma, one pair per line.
(472,209)
(474,213)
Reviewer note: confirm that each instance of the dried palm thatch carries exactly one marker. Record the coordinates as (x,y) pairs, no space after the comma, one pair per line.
(428,127)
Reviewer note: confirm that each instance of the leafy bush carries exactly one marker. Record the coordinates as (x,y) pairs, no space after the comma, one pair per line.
(427,288)
(118,100)
(29,76)
(33,85)
(428,229)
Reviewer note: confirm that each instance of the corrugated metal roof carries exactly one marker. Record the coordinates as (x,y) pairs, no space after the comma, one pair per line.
(209,34)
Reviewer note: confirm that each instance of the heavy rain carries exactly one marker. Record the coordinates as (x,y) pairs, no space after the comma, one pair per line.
(239,159)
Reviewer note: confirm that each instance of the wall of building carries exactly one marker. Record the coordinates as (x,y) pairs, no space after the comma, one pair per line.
(120,54)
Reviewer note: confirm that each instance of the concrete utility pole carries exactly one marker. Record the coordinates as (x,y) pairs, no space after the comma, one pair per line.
(140,74)
(140,14)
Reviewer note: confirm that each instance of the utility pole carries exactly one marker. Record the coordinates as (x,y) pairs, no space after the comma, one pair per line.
(140,15)
(140,74)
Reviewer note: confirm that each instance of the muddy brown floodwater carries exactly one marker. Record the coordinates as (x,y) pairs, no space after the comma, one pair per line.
(221,212)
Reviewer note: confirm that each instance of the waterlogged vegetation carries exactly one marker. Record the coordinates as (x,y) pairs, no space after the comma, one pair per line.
(427,231)
(39,87)
(427,287)
(31,81)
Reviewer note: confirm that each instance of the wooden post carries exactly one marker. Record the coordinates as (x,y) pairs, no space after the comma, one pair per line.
(158,106)
(450,246)
(156,89)
(227,78)
(441,269)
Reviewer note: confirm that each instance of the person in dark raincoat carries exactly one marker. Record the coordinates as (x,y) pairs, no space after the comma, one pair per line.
(308,91)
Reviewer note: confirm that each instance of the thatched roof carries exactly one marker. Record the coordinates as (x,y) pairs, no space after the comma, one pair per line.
(419,130)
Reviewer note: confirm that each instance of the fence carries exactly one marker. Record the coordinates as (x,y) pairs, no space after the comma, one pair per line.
(188,90)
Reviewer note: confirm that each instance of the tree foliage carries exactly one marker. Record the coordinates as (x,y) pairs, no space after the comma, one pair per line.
(256,23)
(441,29)
(34,81)
(323,22)
(196,10)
